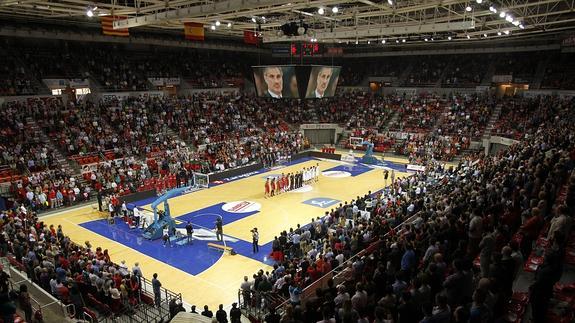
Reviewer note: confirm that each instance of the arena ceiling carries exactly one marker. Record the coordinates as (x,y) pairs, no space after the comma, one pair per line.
(353,21)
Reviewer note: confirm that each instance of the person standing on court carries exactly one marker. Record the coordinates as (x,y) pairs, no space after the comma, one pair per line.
(156,286)
(190,232)
(255,238)
(235,314)
(392,177)
(221,315)
(219,229)
(385,176)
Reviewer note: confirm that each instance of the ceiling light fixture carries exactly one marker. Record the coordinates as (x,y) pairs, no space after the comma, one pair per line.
(479,1)
(448,37)
(506,32)
(468,8)
(502,14)
(320,11)
(229,25)
(468,37)
(212,27)
(253,19)
(390,2)
(218,23)
(521,26)
(335,9)
(383,41)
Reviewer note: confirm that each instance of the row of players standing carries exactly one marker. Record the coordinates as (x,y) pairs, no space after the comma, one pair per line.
(291,181)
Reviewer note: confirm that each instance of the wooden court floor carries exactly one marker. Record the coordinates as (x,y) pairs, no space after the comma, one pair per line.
(219,283)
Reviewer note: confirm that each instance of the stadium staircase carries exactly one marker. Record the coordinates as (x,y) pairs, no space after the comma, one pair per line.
(392,120)
(491,123)
(489,74)
(172,134)
(442,75)
(64,163)
(540,72)
(404,75)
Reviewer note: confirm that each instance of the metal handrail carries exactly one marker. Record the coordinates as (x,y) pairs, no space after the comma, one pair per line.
(335,273)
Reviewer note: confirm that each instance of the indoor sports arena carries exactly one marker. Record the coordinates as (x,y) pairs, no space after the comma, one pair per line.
(266,161)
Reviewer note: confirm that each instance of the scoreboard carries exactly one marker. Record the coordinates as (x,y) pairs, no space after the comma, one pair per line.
(306,49)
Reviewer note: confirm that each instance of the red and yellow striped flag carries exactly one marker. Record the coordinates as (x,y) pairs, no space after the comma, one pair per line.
(194,31)
(108,27)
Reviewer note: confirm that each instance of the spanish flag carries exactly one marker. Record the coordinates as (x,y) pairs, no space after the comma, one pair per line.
(108,27)
(194,31)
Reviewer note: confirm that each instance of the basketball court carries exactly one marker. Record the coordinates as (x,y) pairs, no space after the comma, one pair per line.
(206,275)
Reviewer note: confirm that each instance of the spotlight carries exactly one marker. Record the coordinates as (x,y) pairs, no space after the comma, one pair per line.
(468,37)
(485,35)
(425,39)
(493,9)
(334,9)
(397,40)
(90,13)
(498,33)
(506,32)
(448,37)
(229,25)
(521,26)
(502,14)
(431,38)
(212,27)
(218,23)
(253,19)
(390,2)
(515,22)
(468,8)
(479,1)
(369,42)
(320,11)
(263,18)
(509,18)
(383,41)
(403,40)
(356,42)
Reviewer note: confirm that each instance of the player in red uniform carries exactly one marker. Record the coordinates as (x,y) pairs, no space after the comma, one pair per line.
(272,186)
(267,188)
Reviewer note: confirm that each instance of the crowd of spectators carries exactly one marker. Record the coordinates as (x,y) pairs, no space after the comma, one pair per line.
(21,147)
(522,66)
(559,73)
(421,149)
(467,116)
(80,275)
(521,117)
(426,71)
(418,113)
(465,71)
(13,78)
(455,260)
